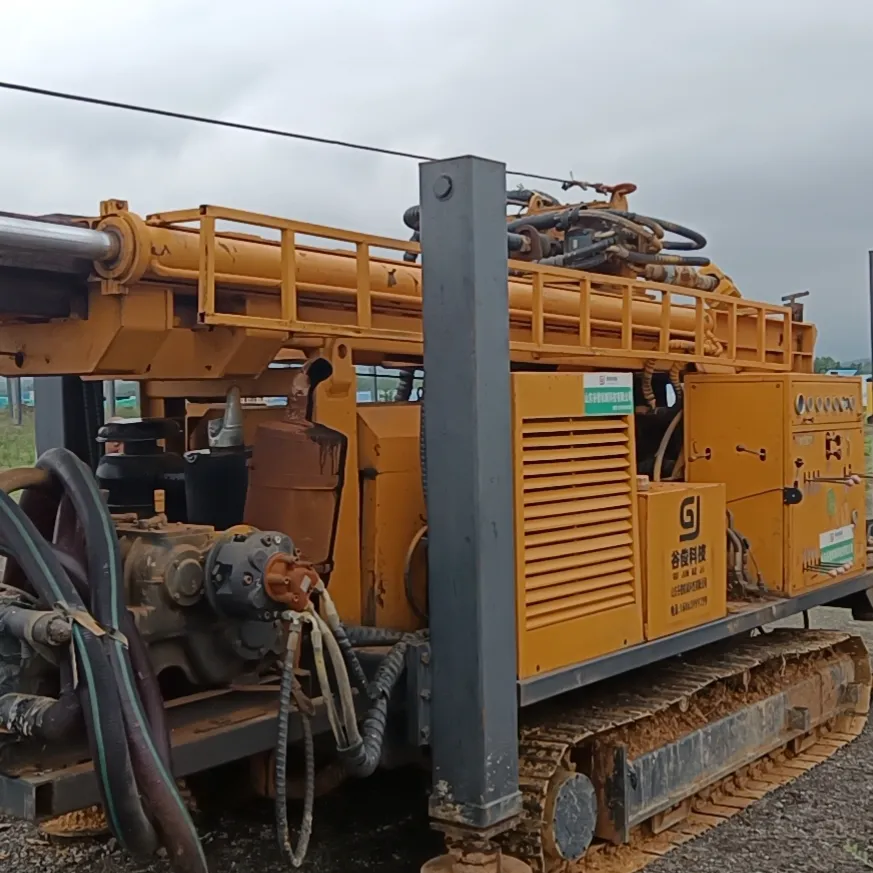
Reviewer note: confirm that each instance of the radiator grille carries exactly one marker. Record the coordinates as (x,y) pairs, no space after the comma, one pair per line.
(578,518)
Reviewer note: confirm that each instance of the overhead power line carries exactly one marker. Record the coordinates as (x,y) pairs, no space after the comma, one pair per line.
(238,125)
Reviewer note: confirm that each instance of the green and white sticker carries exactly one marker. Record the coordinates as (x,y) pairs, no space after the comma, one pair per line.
(608,393)
(838,546)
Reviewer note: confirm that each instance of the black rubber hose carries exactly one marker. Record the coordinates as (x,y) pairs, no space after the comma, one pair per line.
(107,593)
(522,196)
(40,505)
(578,256)
(50,720)
(144,672)
(351,659)
(693,240)
(412,257)
(542,221)
(362,759)
(362,636)
(295,855)
(98,695)
(412,219)
(674,260)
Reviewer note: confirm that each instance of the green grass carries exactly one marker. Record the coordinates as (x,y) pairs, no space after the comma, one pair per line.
(17,443)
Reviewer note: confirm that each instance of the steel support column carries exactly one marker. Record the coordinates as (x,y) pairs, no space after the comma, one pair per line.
(471,552)
(67,413)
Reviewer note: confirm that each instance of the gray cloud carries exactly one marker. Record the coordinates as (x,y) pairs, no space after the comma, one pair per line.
(748,120)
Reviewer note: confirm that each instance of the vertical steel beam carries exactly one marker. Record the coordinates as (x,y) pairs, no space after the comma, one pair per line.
(13,389)
(471,551)
(67,413)
(111,398)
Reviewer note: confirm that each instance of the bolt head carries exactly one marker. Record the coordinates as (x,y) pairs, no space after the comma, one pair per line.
(442,187)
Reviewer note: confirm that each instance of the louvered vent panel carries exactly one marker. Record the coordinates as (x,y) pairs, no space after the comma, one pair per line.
(578,518)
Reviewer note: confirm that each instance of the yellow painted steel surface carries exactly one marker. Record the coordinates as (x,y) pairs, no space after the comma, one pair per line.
(682,541)
(392,513)
(764,434)
(176,274)
(577,555)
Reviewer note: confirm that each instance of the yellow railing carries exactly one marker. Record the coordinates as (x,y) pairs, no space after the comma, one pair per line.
(555,314)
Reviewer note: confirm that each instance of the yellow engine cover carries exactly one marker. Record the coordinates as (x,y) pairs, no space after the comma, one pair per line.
(682,530)
(577,573)
(774,438)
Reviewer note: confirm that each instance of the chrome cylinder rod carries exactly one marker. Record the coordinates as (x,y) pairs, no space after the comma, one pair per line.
(24,235)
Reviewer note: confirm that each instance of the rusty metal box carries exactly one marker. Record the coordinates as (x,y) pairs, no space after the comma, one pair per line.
(683,540)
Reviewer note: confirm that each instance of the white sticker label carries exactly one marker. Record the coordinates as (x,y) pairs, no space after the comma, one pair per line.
(608,393)
(838,546)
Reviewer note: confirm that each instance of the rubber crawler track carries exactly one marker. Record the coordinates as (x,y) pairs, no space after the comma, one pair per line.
(650,702)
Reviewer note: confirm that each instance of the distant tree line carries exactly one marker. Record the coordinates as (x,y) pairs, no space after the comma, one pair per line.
(825,363)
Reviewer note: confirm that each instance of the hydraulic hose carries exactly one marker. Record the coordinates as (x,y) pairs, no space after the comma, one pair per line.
(316,640)
(361,753)
(23,477)
(412,219)
(296,855)
(362,758)
(144,673)
(107,597)
(579,257)
(692,242)
(361,636)
(51,720)
(98,695)
(662,448)
(344,687)
(647,258)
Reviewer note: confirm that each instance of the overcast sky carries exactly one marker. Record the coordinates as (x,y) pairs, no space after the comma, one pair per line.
(750,121)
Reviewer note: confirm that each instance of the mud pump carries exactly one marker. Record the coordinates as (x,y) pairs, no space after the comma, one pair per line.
(547,575)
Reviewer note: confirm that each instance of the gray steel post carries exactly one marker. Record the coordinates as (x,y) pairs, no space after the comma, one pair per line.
(471,552)
(111,398)
(13,390)
(68,413)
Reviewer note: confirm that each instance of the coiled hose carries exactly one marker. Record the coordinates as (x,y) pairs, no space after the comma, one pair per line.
(362,750)
(96,687)
(295,854)
(362,758)
(144,672)
(153,778)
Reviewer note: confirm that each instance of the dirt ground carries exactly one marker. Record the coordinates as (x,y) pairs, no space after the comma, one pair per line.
(820,822)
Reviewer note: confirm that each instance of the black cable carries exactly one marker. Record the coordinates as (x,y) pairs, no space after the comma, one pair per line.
(238,125)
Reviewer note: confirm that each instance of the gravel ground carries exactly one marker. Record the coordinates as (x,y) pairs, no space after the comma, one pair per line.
(820,822)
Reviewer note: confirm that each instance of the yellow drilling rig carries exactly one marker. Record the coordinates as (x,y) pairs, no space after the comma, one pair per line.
(547,568)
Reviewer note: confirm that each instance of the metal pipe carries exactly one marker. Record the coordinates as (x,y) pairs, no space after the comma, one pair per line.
(22,234)
(13,390)
(174,254)
(111,398)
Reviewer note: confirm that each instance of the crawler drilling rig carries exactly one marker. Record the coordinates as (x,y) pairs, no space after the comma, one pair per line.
(547,575)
